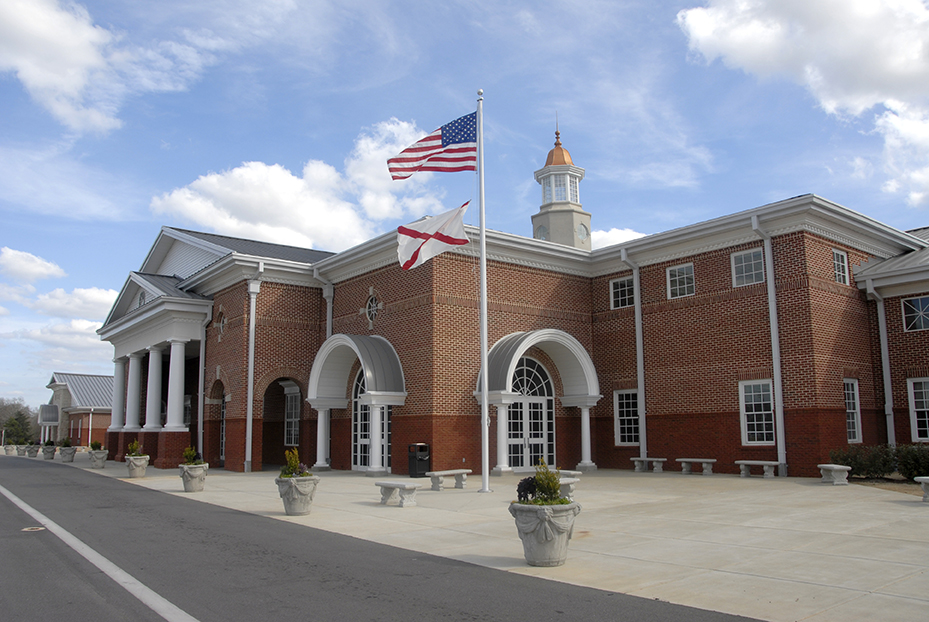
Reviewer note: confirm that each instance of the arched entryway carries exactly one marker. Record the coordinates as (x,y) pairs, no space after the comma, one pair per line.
(370,392)
(512,379)
(214,425)
(280,423)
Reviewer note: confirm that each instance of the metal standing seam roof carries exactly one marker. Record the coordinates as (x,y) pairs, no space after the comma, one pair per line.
(87,391)
(167,285)
(383,371)
(259,249)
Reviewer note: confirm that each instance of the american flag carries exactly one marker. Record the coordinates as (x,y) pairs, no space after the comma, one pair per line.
(449,149)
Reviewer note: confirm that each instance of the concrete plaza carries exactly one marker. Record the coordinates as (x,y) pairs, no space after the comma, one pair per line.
(779,549)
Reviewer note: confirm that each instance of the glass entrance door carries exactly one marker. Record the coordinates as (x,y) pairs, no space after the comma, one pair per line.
(531,419)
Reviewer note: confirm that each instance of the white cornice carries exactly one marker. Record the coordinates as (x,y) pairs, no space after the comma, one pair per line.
(236,267)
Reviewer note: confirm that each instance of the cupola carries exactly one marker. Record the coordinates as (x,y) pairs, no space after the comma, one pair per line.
(560,218)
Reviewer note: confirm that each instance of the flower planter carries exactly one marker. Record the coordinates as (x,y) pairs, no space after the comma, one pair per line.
(137,465)
(193,476)
(48,453)
(297,493)
(10,449)
(32,450)
(67,453)
(21,450)
(98,458)
(545,531)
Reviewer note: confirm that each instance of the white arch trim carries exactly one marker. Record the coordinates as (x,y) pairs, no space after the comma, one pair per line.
(329,376)
(578,374)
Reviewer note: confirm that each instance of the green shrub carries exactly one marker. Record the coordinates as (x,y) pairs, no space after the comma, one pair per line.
(294,468)
(543,489)
(191,456)
(96,445)
(871,461)
(65,442)
(133,449)
(49,443)
(912,460)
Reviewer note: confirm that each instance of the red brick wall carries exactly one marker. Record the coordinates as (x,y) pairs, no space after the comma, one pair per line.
(909,358)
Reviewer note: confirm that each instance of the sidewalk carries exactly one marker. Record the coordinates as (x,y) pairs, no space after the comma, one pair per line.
(782,550)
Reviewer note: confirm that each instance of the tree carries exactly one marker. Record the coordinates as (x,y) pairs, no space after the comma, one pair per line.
(18,429)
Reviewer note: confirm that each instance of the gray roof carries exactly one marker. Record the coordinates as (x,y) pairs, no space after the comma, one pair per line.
(922,233)
(167,285)
(259,249)
(87,391)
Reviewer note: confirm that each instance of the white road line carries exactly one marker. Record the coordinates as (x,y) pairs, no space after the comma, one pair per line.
(155,602)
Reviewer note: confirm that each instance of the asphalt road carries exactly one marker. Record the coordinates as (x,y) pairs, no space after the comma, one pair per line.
(221,565)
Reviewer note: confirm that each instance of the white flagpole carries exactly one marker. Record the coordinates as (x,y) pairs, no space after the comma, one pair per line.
(485,407)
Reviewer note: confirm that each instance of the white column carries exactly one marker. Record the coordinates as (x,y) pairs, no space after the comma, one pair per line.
(375,455)
(175,421)
(134,393)
(586,464)
(503,465)
(118,416)
(153,398)
(322,440)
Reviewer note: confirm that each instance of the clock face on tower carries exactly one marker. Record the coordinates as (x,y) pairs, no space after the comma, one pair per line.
(541,232)
(582,232)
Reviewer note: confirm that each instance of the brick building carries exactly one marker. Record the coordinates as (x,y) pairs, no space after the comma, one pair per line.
(777,333)
(80,406)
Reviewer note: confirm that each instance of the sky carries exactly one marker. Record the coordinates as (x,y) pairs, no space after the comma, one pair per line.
(273,120)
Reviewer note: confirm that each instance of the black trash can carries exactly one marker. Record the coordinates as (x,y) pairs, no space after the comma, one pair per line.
(420,462)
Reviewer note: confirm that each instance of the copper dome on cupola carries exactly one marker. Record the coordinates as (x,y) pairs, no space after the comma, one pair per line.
(559,155)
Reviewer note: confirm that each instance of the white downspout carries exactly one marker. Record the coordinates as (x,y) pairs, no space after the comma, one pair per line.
(885,363)
(254,286)
(639,351)
(780,434)
(201,394)
(328,294)
(90,428)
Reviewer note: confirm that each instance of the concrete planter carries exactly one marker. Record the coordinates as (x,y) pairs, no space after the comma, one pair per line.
(297,493)
(9,449)
(21,450)
(137,465)
(545,531)
(48,453)
(67,453)
(98,458)
(32,450)
(193,476)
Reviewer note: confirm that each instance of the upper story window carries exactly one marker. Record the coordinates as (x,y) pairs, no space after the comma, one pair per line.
(574,195)
(622,293)
(747,267)
(681,281)
(840,263)
(546,190)
(141,298)
(916,313)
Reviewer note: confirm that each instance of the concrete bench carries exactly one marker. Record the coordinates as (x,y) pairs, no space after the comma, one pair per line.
(405,490)
(835,474)
(438,478)
(641,464)
(567,487)
(687,463)
(924,482)
(745,467)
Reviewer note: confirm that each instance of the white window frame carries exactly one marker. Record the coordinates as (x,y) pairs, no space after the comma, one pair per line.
(852,410)
(632,420)
(743,415)
(757,276)
(840,266)
(618,283)
(187,410)
(922,313)
(291,415)
(692,287)
(573,193)
(918,413)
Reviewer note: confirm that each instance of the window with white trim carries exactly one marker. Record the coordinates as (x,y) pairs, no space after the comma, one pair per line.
(756,406)
(622,293)
(852,411)
(291,415)
(574,195)
(747,267)
(626,417)
(681,281)
(546,190)
(840,264)
(916,313)
(918,390)
(561,193)
(187,410)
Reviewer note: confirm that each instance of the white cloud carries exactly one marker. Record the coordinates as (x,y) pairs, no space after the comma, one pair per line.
(26,267)
(322,208)
(852,55)
(81,72)
(4,311)
(91,303)
(601,239)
